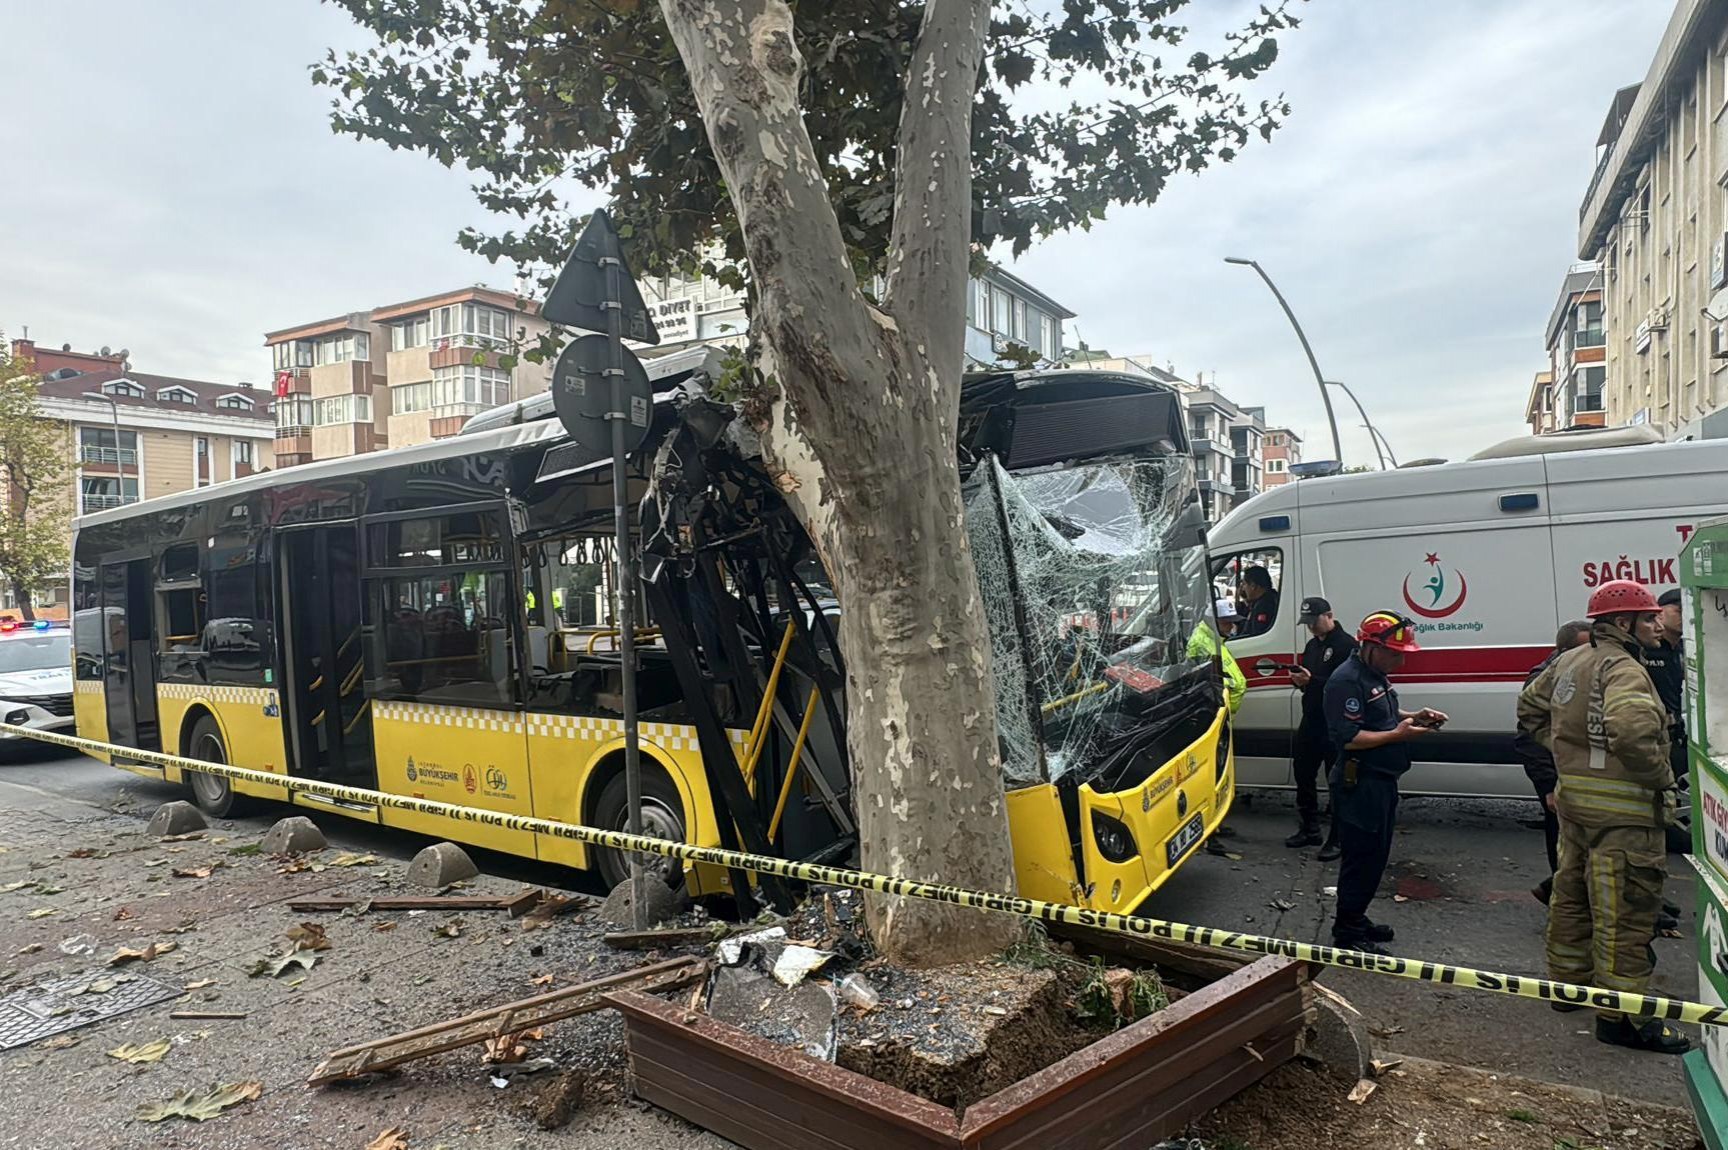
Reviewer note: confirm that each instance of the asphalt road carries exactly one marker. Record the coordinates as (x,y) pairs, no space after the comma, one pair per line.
(1464,866)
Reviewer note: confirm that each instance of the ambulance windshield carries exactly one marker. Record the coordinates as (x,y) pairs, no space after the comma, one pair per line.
(1095,587)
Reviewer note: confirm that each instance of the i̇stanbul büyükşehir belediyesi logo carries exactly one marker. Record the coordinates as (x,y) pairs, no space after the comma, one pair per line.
(1442,598)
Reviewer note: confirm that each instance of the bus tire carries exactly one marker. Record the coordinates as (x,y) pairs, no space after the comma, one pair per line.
(662,818)
(213,794)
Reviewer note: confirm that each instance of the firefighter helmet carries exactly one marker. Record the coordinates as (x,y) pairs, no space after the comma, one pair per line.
(1389,629)
(1621,597)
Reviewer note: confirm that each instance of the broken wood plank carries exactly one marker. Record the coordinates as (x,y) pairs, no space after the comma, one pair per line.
(206,1014)
(517,905)
(670,936)
(470,1029)
(1204,963)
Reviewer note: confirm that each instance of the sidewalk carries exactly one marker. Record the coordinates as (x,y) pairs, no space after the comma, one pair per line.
(371,982)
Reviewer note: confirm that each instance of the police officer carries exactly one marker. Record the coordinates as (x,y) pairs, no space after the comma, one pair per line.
(1259,601)
(1665,659)
(1598,712)
(1539,762)
(1327,649)
(1371,736)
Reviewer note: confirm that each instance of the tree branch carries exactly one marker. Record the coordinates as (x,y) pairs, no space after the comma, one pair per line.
(929,251)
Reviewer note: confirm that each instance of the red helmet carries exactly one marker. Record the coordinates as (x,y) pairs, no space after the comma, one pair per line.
(1621,597)
(1389,629)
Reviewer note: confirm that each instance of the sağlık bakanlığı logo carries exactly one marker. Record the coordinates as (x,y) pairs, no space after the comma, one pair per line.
(1442,598)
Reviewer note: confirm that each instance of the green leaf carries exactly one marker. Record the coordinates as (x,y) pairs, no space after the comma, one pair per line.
(201,1105)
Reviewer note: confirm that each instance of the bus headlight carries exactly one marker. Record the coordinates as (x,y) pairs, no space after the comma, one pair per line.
(1115,841)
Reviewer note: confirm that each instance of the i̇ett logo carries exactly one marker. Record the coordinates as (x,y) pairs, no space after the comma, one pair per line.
(1442,600)
(496,780)
(470,780)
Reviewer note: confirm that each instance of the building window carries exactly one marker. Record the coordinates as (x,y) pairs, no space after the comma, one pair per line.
(468,385)
(100,492)
(294,353)
(1001,311)
(176,395)
(1276,466)
(980,309)
(409,333)
(97,445)
(1047,341)
(410,397)
(1018,332)
(123,387)
(293,415)
(341,409)
(235,403)
(242,453)
(471,325)
(343,347)
(1590,388)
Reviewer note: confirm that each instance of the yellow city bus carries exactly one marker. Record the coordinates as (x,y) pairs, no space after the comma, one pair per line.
(436,621)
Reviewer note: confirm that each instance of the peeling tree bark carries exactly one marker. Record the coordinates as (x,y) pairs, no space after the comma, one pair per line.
(860,430)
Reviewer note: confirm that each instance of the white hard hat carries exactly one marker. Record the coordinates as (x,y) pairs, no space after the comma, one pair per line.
(1226,609)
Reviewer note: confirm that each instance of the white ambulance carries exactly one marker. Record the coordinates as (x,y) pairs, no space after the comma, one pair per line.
(1488,556)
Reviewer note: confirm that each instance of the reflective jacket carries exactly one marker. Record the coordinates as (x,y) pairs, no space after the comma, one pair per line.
(1203,644)
(1596,709)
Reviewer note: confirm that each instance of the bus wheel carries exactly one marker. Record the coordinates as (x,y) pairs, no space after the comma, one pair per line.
(214,794)
(662,818)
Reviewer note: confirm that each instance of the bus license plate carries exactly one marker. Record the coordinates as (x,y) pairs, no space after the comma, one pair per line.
(1185,839)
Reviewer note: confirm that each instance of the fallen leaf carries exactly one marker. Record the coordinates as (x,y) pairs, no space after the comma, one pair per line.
(543,980)
(181,929)
(199,1105)
(276,964)
(149,1052)
(61,1042)
(141,954)
(193,871)
(451,929)
(154,862)
(101,986)
(201,984)
(31,949)
(395,1138)
(47,888)
(384,926)
(123,914)
(348,858)
(1364,1087)
(308,935)
(187,837)
(505,1048)
(294,864)
(42,912)
(19,885)
(82,853)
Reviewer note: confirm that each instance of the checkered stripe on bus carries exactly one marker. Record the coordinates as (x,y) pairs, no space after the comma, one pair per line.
(254,696)
(87,686)
(671,736)
(435,715)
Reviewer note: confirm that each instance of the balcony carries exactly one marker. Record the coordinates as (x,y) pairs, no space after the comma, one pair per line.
(106,502)
(118,456)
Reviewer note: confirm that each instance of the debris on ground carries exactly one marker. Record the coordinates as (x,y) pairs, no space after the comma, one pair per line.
(395,1138)
(201,1105)
(559,1099)
(149,1052)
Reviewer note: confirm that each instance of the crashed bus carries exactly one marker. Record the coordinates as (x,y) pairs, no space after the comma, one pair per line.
(436,621)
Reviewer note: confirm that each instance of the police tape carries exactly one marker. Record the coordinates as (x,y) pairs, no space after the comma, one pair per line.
(1444,974)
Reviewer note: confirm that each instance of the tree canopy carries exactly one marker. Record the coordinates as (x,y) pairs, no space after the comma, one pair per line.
(1078,106)
(33,467)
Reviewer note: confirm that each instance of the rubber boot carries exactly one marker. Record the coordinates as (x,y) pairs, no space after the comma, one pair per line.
(1650,1035)
(1307,835)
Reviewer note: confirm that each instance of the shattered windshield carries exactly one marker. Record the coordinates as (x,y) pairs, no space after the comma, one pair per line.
(1097,599)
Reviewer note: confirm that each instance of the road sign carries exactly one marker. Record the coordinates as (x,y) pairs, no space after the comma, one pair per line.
(582,395)
(579,296)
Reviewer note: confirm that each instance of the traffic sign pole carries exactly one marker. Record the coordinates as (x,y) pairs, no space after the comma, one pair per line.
(619,416)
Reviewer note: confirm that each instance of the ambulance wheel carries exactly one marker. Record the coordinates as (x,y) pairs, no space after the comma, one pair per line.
(214,794)
(662,818)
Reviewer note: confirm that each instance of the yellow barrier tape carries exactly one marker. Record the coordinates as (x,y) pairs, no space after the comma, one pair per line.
(1517,985)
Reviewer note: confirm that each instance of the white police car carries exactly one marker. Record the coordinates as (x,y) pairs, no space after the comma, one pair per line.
(35,679)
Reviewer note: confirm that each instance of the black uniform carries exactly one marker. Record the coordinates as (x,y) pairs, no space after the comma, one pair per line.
(1364,788)
(1313,749)
(1666,663)
(1258,616)
(1539,766)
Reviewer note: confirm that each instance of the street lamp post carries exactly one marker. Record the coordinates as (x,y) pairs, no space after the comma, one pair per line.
(119,460)
(1373,432)
(1319,380)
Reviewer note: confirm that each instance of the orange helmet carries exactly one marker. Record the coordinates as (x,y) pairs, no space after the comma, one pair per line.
(1389,629)
(1621,597)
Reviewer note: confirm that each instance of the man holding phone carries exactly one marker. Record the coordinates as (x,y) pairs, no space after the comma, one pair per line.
(1326,651)
(1371,734)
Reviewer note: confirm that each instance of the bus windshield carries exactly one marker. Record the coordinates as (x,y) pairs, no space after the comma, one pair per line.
(1097,604)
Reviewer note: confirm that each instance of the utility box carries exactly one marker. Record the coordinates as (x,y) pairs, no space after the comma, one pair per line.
(1704,580)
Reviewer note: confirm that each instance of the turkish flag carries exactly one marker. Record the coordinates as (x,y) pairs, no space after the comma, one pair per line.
(284,380)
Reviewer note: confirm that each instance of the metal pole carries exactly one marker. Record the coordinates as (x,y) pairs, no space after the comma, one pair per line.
(626,563)
(1373,433)
(119,460)
(1319,380)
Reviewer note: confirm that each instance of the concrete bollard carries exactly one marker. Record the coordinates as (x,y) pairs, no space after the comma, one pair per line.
(439,865)
(663,903)
(294,835)
(176,818)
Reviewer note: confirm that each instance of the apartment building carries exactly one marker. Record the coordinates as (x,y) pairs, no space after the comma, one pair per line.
(401,374)
(1655,220)
(1282,449)
(1570,392)
(131,435)
(1227,443)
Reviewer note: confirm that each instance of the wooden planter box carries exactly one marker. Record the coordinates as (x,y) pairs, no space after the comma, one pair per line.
(1126,1091)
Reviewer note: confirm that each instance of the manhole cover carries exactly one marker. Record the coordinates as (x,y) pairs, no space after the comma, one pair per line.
(50,1008)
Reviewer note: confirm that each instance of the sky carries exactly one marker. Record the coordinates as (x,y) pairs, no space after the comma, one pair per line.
(173,187)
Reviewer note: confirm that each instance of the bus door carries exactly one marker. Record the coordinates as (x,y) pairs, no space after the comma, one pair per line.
(329,728)
(130,642)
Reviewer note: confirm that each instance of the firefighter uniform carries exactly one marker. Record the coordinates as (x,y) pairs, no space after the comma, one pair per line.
(1364,791)
(1597,710)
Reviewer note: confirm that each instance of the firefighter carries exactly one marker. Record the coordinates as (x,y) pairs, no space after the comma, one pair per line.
(1597,711)
(1370,735)
(1327,650)
(1539,763)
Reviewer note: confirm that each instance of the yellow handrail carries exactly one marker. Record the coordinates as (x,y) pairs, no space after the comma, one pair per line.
(792,768)
(759,732)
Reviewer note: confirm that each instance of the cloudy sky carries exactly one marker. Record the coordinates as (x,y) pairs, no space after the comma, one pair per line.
(173,188)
